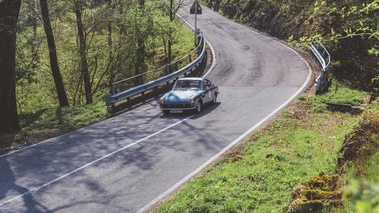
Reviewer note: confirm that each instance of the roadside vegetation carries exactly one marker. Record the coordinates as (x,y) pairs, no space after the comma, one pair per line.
(348,28)
(40,119)
(299,150)
(311,158)
(121,39)
(316,156)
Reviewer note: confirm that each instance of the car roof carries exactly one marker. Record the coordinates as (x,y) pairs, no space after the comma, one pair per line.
(191,78)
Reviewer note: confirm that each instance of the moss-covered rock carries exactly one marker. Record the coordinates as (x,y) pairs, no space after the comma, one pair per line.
(359,145)
(323,191)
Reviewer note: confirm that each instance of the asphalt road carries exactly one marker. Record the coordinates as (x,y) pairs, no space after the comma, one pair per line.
(129,162)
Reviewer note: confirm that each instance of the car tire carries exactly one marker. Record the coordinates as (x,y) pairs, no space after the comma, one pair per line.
(166,112)
(214,100)
(199,107)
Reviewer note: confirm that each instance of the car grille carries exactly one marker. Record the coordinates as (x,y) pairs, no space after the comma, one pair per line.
(176,106)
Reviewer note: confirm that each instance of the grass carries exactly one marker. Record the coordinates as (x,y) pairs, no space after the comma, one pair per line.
(361,172)
(338,93)
(186,43)
(51,122)
(39,122)
(259,174)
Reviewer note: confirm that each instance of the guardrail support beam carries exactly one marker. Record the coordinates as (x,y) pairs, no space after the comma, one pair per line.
(114,97)
(323,58)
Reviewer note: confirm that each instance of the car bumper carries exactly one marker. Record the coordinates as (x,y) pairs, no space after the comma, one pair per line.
(175,109)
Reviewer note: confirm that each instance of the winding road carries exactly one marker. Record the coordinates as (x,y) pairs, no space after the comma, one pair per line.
(129,162)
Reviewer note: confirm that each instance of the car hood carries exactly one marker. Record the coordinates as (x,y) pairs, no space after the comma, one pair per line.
(176,96)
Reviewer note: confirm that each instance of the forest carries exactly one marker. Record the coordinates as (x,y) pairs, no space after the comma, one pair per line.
(59,57)
(348,28)
(67,53)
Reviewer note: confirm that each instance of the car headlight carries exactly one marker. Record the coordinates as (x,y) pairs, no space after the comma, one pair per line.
(190,101)
(161,101)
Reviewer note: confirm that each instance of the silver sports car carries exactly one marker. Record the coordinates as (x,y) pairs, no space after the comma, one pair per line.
(189,94)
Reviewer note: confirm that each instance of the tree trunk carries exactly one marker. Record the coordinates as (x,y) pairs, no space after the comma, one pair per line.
(172,10)
(9,12)
(171,14)
(169,57)
(82,52)
(140,62)
(62,97)
(110,42)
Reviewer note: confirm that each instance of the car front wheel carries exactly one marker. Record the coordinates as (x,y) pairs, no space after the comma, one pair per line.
(214,100)
(199,107)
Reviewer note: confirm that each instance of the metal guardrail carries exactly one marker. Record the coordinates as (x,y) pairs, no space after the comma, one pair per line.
(114,97)
(323,57)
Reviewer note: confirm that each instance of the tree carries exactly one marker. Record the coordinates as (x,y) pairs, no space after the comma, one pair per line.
(110,41)
(140,62)
(358,44)
(82,51)
(9,12)
(62,97)
(172,7)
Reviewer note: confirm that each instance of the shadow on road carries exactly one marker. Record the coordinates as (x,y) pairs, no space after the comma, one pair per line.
(206,110)
(10,190)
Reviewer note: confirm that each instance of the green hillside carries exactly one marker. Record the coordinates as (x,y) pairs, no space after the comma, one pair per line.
(348,28)
(313,157)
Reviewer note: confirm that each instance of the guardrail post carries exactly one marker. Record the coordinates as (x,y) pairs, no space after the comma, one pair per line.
(167,69)
(201,40)
(127,94)
(323,81)
(112,89)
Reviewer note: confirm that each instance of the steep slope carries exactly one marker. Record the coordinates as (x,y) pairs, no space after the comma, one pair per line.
(348,29)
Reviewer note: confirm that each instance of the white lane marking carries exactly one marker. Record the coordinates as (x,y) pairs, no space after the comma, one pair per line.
(106,156)
(93,162)
(210,69)
(207,163)
(213,59)
(209,44)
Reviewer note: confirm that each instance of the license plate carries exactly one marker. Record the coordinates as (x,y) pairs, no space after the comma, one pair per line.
(176,111)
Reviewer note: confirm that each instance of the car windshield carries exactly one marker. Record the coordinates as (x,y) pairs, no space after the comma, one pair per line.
(187,84)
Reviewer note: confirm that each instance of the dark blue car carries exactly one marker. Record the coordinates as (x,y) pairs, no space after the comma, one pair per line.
(189,94)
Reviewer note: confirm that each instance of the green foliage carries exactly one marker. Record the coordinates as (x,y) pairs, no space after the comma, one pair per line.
(363,196)
(28,47)
(46,123)
(319,7)
(112,33)
(361,172)
(304,41)
(348,29)
(340,93)
(361,146)
(259,175)
(49,122)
